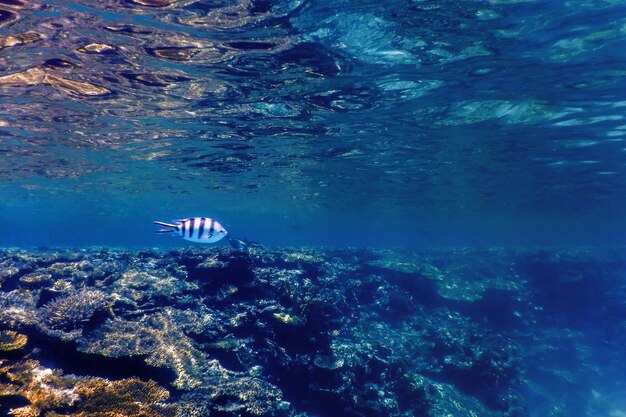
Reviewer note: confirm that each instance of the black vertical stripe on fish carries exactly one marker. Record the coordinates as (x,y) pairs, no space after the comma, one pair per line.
(182,225)
(211,228)
(191,224)
(201,228)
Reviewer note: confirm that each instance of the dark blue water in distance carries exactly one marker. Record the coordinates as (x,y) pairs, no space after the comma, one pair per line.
(388,124)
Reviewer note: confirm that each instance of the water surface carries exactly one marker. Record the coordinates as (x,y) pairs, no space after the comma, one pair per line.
(393,123)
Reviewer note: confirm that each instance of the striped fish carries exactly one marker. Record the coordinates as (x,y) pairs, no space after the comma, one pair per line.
(195,229)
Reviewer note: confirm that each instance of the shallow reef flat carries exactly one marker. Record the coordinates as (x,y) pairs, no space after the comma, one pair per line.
(299,332)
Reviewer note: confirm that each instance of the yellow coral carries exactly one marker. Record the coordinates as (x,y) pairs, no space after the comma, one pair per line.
(27,411)
(10,340)
(96,48)
(289,319)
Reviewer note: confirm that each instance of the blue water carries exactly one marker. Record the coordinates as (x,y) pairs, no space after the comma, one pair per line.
(403,124)
(386,123)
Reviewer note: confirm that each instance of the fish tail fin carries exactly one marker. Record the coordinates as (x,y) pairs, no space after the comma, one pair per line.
(165,231)
(173,226)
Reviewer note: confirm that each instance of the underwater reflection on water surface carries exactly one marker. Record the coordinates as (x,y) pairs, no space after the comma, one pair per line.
(307,110)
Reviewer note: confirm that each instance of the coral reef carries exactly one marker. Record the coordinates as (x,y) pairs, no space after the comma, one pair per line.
(160,340)
(43,388)
(50,391)
(459,274)
(132,397)
(242,396)
(72,310)
(10,340)
(258,332)
(18,308)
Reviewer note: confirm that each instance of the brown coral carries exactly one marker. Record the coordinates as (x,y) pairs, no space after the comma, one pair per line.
(44,388)
(10,340)
(130,397)
(36,279)
(49,390)
(140,286)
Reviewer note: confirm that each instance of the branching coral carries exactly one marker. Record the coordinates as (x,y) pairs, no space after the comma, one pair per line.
(71,311)
(161,339)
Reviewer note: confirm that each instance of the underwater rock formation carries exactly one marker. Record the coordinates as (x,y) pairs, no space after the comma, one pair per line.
(296,332)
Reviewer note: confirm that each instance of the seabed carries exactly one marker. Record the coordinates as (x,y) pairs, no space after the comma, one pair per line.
(311,332)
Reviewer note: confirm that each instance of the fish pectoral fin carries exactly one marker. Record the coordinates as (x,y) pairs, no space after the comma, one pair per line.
(165,224)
